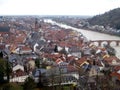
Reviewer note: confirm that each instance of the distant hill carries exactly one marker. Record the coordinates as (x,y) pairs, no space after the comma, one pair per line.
(111,18)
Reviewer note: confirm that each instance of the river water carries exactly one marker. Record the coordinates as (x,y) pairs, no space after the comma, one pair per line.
(90,35)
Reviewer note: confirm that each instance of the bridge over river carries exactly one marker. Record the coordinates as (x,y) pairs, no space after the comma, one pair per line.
(95,37)
(108,42)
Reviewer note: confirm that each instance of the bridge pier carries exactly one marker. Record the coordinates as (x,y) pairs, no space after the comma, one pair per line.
(99,43)
(117,43)
(108,42)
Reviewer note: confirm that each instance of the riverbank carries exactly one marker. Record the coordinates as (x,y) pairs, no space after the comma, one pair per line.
(90,35)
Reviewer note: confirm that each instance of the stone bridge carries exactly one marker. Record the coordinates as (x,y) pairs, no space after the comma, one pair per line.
(108,42)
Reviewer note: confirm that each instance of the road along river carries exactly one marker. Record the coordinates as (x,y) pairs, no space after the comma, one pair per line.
(90,35)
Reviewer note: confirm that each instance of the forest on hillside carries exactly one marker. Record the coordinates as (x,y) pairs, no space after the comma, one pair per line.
(110,18)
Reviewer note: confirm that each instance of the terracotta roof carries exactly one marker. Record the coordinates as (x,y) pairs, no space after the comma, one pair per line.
(69,58)
(99,63)
(2,46)
(71,68)
(81,60)
(18,73)
(57,55)
(26,48)
(52,56)
(111,58)
(19,39)
(115,74)
(13,47)
(58,61)
(116,68)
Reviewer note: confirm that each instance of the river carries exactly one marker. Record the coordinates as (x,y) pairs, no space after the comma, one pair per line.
(90,35)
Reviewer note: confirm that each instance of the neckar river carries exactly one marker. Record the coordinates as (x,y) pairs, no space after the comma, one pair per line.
(90,35)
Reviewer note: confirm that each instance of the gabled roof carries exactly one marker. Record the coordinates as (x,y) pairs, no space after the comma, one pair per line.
(116,68)
(115,74)
(58,61)
(26,48)
(17,67)
(19,39)
(81,60)
(111,59)
(71,68)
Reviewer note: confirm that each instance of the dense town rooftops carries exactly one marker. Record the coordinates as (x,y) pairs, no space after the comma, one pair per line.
(54,48)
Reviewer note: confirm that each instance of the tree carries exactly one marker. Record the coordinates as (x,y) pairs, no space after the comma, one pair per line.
(29,84)
(5,70)
(11,86)
(111,18)
(56,48)
(37,63)
(8,70)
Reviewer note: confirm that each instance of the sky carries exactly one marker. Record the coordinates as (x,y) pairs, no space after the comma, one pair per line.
(57,7)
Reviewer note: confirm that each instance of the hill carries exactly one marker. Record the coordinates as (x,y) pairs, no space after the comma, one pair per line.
(111,18)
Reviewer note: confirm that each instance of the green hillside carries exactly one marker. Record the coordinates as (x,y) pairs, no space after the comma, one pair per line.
(111,18)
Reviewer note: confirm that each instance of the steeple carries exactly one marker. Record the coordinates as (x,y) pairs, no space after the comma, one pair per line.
(37,25)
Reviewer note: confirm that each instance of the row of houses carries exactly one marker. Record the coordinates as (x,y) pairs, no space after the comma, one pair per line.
(59,53)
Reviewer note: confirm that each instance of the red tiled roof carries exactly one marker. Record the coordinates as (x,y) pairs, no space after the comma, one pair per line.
(117,68)
(71,68)
(58,61)
(52,56)
(18,73)
(110,59)
(98,63)
(26,48)
(70,58)
(81,60)
(19,39)
(2,46)
(115,74)
(13,47)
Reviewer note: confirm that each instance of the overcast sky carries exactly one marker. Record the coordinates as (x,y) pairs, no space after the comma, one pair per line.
(56,7)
